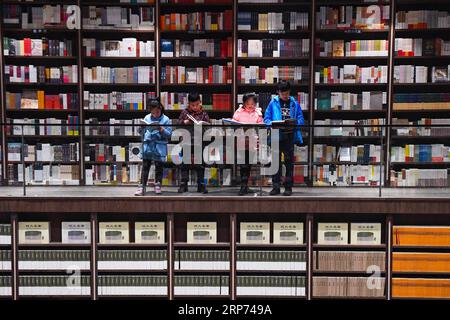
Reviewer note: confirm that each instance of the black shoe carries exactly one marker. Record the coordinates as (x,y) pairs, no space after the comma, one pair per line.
(183,188)
(202,189)
(275,191)
(287,191)
(243,191)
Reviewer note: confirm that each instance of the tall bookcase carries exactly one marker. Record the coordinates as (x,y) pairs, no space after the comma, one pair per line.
(378,100)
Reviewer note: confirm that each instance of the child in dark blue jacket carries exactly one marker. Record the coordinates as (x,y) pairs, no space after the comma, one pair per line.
(284,107)
(156,136)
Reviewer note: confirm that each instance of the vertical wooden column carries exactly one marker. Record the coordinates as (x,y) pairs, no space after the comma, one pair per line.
(170,256)
(389,224)
(234,93)
(81,128)
(233,255)
(94,241)
(312,39)
(3,140)
(157,35)
(15,256)
(309,255)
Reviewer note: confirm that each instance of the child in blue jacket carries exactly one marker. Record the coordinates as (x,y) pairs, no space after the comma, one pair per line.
(156,136)
(283,107)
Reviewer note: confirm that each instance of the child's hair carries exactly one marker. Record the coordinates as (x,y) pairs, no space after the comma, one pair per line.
(155,103)
(283,86)
(193,97)
(248,96)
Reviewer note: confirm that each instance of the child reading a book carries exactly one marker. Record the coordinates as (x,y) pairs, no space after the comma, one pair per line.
(156,135)
(284,108)
(247,113)
(194,111)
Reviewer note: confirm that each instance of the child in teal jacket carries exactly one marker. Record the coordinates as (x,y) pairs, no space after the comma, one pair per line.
(156,136)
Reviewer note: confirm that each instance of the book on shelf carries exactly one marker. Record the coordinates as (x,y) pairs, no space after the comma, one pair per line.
(124,128)
(272,48)
(348,261)
(255,232)
(365,233)
(416,262)
(419,127)
(420,153)
(114,232)
(272,21)
(201,232)
(352,48)
(132,285)
(421,47)
(5,286)
(201,285)
(422,19)
(39,99)
(34,232)
(270,260)
(410,74)
(44,174)
(149,232)
(272,75)
(43,152)
(179,101)
(5,260)
(425,288)
(358,154)
(41,74)
(75,232)
(44,127)
(131,259)
(421,101)
(108,75)
(127,47)
(37,16)
(54,259)
(371,17)
(271,285)
(332,233)
(41,47)
(362,128)
(431,236)
(197,21)
(200,48)
(202,260)
(118,18)
(5,233)
(347,175)
(53,285)
(213,74)
(351,74)
(130,101)
(420,178)
(367,287)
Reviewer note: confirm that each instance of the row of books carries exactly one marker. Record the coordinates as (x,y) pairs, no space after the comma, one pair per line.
(272,21)
(95,127)
(422,19)
(293,286)
(276,48)
(418,47)
(351,74)
(54,285)
(257,260)
(271,75)
(426,262)
(5,259)
(213,74)
(129,285)
(419,236)
(421,74)
(366,261)
(127,47)
(116,17)
(41,74)
(346,175)
(420,288)
(44,127)
(179,101)
(42,174)
(117,100)
(220,48)
(374,17)
(5,234)
(132,259)
(43,152)
(36,17)
(348,287)
(421,101)
(5,286)
(353,48)
(222,2)
(41,47)
(420,178)
(137,75)
(202,260)
(197,21)
(411,130)
(54,259)
(366,100)
(420,153)
(361,154)
(101,152)
(361,127)
(42,100)
(264,99)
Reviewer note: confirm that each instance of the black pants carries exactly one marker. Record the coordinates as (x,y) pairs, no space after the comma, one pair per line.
(245,170)
(287,149)
(199,169)
(159,168)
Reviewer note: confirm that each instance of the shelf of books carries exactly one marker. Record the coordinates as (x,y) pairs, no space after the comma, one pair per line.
(419,156)
(232,256)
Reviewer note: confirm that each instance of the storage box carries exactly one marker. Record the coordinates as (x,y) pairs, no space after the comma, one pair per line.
(114,232)
(76,232)
(333,233)
(149,232)
(287,233)
(255,232)
(34,232)
(365,233)
(202,232)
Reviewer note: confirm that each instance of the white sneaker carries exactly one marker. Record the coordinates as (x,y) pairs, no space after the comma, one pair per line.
(158,188)
(139,192)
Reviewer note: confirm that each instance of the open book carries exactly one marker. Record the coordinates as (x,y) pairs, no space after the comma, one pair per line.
(231,121)
(288,122)
(147,123)
(196,121)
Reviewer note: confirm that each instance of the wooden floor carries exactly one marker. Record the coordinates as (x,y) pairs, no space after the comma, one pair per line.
(121,199)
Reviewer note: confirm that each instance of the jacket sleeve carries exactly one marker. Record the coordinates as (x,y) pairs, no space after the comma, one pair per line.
(182,117)
(167,129)
(268,114)
(300,119)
